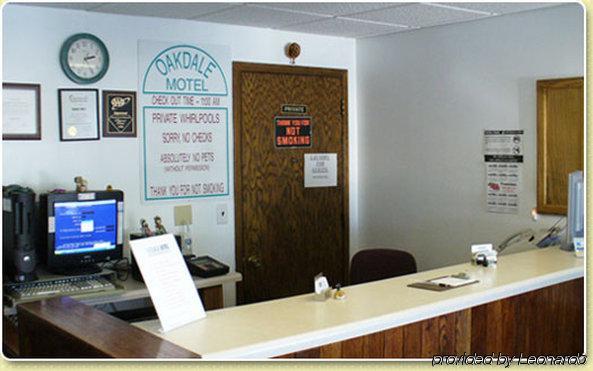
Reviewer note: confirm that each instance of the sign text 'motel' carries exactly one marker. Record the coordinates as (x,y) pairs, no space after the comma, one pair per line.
(185,69)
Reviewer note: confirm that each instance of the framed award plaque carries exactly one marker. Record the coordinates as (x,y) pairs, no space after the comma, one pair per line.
(119,114)
(79,114)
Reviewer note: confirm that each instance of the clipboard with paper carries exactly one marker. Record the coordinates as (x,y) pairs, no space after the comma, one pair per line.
(445,283)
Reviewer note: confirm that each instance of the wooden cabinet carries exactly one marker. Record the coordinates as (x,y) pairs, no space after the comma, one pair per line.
(560,128)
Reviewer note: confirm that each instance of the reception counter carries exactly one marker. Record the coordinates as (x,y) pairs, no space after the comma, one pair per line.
(532,303)
(373,318)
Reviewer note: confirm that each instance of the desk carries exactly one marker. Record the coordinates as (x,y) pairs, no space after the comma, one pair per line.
(210,290)
(543,284)
(531,303)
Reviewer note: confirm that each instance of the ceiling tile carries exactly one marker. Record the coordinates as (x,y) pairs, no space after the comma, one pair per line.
(165,10)
(417,15)
(73,6)
(258,17)
(343,27)
(330,9)
(501,8)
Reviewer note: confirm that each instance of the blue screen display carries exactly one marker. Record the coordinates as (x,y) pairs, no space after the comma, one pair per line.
(85,226)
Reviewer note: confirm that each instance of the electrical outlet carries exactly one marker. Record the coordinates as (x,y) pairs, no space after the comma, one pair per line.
(222,214)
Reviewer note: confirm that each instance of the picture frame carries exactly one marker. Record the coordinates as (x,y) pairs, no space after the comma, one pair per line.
(21,111)
(79,114)
(119,114)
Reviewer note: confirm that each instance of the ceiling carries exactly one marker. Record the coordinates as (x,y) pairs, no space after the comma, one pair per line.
(346,19)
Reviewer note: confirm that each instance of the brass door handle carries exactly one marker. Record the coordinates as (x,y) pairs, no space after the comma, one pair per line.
(254,260)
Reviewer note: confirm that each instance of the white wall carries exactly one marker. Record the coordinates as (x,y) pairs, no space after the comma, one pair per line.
(424,99)
(31,42)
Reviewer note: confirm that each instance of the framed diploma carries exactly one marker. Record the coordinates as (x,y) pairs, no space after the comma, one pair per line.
(21,111)
(119,113)
(79,114)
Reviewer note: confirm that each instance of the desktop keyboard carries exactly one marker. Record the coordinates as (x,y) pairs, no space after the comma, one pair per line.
(58,287)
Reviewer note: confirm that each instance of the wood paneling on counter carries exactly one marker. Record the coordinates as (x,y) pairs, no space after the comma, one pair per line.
(548,321)
(65,328)
(446,334)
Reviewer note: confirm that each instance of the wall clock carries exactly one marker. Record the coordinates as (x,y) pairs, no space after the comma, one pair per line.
(84,58)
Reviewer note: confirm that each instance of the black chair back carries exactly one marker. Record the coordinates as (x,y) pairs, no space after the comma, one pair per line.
(377,264)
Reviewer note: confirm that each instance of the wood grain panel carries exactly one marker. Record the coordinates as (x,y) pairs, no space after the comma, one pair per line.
(463,333)
(10,338)
(446,334)
(560,133)
(280,237)
(413,340)
(309,353)
(212,297)
(333,350)
(374,345)
(430,337)
(548,321)
(353,348)
(394,343)
(65,328)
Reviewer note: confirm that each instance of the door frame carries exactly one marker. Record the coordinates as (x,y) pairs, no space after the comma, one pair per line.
(238,69)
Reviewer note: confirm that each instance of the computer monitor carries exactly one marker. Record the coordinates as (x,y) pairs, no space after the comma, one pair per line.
(81,230)
(575,217)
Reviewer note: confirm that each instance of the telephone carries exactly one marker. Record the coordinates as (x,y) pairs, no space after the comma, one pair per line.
(205,266)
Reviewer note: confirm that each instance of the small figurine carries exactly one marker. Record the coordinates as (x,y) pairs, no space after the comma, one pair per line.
(339,295)
(81,184)
(145,228)
(158,225)
(109,188)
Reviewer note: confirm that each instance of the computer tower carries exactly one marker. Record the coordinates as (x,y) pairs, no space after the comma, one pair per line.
(19,233)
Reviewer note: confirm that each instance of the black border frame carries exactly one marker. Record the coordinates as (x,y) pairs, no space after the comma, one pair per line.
(62,139)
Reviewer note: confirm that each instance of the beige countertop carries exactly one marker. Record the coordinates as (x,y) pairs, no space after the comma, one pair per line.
(284,326)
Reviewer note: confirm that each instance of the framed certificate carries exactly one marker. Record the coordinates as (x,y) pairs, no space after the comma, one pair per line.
(79,114)
(119,114)
(21,111)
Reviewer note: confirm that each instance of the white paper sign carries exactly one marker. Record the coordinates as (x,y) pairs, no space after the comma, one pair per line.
(321,170)
(169,283)
(503,182)
(184,104)
(503,145)
(503,154)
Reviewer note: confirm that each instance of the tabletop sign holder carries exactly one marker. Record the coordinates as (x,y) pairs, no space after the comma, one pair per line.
(434,285)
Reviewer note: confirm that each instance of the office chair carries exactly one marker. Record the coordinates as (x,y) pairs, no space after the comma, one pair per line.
(377,264)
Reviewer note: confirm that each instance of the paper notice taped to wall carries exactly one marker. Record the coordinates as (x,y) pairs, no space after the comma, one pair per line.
(503,155)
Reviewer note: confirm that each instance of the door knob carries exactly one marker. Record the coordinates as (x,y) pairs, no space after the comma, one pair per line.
(254,260)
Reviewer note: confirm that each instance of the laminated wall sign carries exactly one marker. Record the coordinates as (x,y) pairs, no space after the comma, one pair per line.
(184,106)
(503,155)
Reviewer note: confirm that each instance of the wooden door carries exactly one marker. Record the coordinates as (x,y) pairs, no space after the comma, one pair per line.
(286,233)
(560,140)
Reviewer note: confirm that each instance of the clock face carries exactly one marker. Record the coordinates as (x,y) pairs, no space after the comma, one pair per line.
(84,58)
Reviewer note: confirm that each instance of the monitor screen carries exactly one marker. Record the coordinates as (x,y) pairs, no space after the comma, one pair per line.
(80,230)
(87,226)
